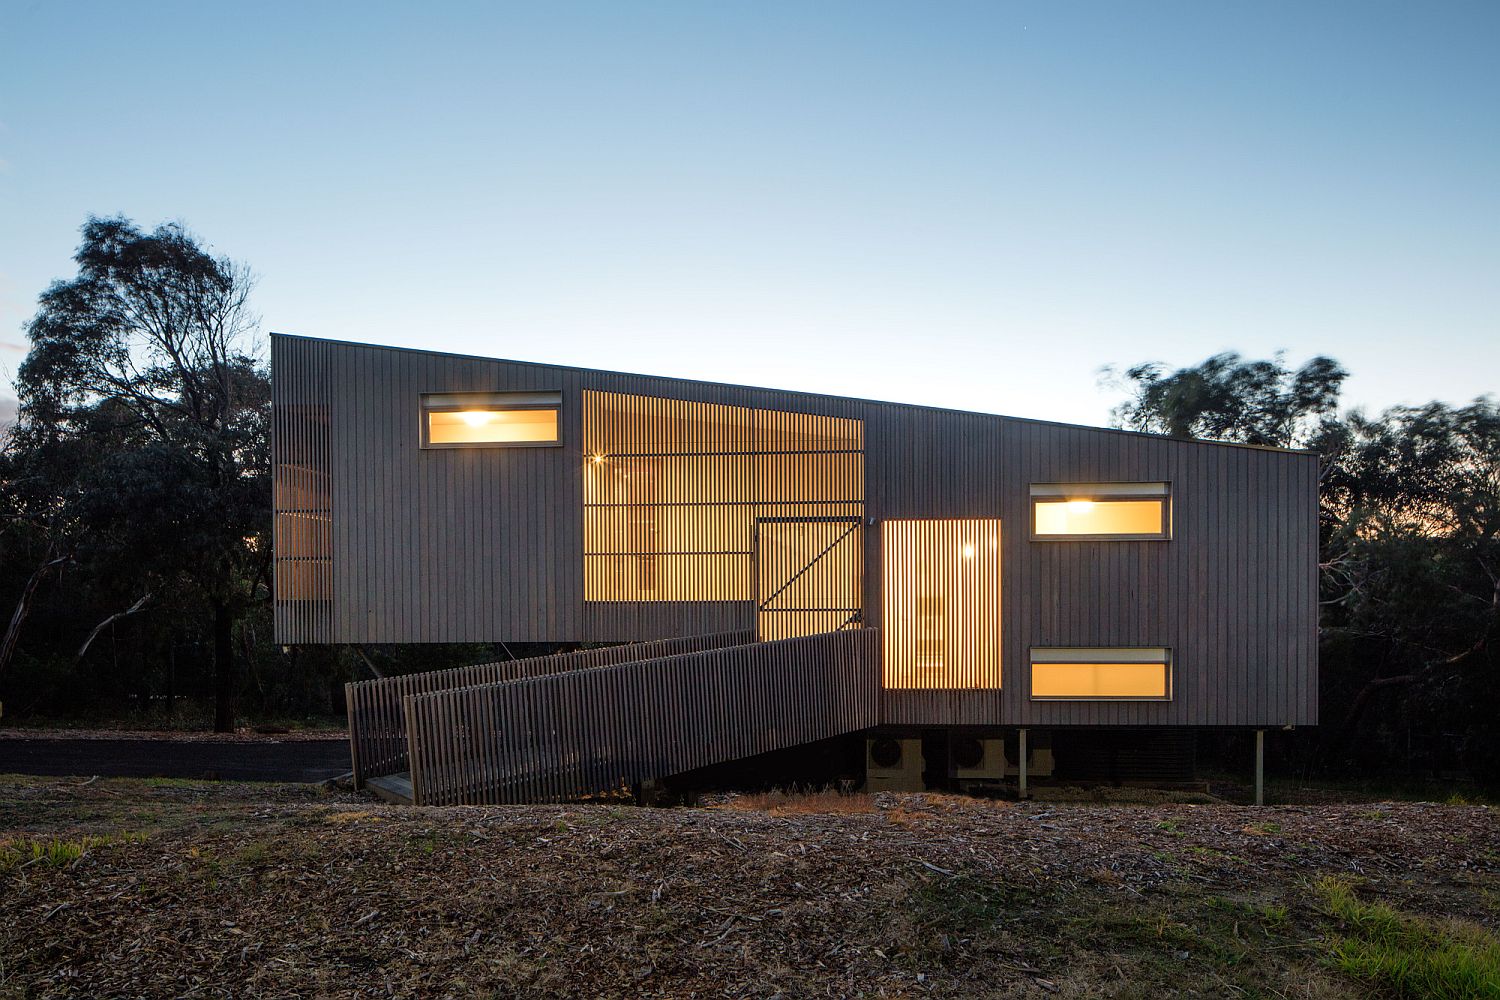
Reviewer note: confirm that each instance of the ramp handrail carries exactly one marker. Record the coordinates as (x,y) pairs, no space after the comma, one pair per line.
(584,732)
(377,724)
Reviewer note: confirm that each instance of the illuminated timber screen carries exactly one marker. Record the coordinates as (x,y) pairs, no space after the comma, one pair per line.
(304,505)
(673,491)
(940,623)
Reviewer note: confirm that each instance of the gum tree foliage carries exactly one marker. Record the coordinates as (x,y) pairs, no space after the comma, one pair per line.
(1227,398)
(141,453)
(1409,513)
(1411,573)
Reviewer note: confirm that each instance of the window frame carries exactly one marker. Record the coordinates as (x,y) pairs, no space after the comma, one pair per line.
(1102,655)
(1102,493)
(499,401)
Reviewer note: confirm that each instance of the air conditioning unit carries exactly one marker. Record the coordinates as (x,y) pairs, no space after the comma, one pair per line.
(893,765)
(977,761)
(1041,763)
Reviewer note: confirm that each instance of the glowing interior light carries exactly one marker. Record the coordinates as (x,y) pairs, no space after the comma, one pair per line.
(477,418)
(455,419)
(968,552)
(598,459)
(1080,506)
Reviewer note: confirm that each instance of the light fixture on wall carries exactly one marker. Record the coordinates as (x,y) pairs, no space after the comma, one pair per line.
(477,418)
(1080,506)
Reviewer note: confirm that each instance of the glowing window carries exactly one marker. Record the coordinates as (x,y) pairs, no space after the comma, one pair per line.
(1120,511)
(1101,674)
(491,419)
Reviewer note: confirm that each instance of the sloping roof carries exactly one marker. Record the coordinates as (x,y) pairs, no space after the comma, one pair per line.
(794,392)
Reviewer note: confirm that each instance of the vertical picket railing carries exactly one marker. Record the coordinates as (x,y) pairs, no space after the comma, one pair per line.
(591,731)
(377,723)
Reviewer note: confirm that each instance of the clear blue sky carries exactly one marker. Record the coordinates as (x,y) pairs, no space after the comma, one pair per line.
(973,205)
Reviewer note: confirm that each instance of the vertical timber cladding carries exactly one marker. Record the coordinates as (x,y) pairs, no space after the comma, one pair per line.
(302,527)
(485,544)
(935,476)
(1232,594)
(678,494)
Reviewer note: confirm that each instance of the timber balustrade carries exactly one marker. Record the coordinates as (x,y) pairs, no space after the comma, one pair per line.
(572,734)
(377,724)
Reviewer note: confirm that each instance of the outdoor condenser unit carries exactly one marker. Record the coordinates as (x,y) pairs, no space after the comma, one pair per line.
(979,760)
(1041,762)
(893,765)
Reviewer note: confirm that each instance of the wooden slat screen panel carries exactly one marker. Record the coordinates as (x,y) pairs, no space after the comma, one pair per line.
(377,724)
(302,530)
(941,617)
(586,732)
(673,489)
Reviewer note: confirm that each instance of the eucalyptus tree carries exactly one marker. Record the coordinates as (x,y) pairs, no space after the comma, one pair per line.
(1409,513)
(1228,398)
(143,398)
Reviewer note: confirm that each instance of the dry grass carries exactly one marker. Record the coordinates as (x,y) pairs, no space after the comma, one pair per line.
(793,803)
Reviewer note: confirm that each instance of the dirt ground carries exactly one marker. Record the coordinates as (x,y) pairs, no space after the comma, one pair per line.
(123,887)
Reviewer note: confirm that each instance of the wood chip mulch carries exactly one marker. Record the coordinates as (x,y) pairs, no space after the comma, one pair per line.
(204,890)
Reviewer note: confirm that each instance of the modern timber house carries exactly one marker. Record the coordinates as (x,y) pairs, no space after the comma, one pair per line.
(773,569)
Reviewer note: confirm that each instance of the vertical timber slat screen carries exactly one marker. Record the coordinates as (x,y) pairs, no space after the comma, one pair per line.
(302,529)
(588,732)
(673,490)
(941,614)
(378,725)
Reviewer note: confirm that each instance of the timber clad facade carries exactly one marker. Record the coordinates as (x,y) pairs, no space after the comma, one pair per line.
(643,508)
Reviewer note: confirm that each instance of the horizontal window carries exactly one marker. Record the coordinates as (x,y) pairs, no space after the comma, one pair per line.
(1105,673)
(491,419)
(1121,511)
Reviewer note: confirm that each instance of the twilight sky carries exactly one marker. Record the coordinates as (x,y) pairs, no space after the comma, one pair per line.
(967,204)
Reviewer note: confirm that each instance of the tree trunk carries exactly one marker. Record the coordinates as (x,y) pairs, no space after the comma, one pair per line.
(1361,702)
(23,606)
(224,675)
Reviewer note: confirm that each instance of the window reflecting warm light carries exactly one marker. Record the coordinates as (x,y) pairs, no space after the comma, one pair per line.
(1101,510)
(1101,674)
(460,419)
(491,426)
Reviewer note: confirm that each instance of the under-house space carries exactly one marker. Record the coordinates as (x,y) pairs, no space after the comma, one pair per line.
(921,598)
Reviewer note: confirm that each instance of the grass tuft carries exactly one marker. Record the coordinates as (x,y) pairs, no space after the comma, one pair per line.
(1412,956)
(57,853)
(793,803)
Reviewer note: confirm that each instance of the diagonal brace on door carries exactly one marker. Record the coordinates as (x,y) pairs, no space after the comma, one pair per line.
(854,523)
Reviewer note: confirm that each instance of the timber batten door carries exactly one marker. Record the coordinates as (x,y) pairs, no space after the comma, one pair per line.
(809,575)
